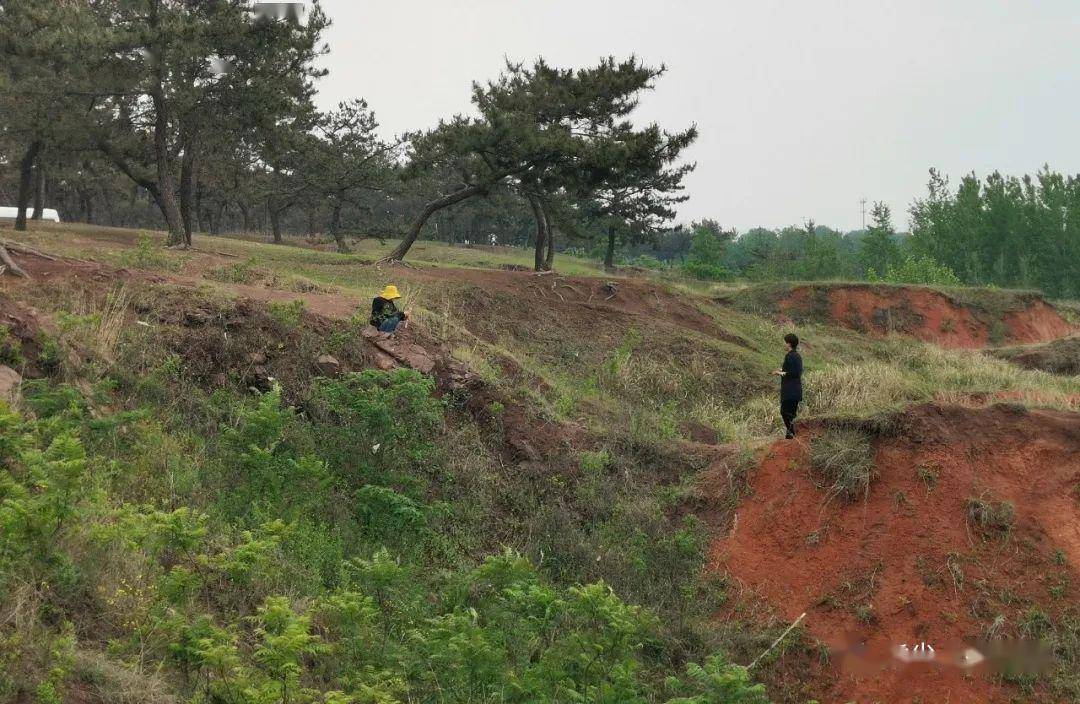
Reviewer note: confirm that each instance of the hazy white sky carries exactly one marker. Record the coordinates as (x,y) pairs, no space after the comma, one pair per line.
(804,106)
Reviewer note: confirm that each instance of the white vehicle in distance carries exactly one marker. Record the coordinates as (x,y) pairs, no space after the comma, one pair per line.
(10,213)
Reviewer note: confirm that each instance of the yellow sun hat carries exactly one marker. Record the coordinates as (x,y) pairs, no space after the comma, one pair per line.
(390,292)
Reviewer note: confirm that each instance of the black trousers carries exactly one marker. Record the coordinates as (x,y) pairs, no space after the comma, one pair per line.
(789,408)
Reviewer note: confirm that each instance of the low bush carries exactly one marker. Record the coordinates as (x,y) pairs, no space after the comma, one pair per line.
(10,348)
(148,254)
(706,271)
(920,269)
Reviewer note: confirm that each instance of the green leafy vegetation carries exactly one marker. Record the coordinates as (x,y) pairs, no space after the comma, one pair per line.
(305,539)
(920,269)
(10,348)
(150,254)
(706,258)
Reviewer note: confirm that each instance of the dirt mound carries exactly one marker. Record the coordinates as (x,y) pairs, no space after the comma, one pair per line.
(909,564)
(579,301)
(1057,357)
(987,318)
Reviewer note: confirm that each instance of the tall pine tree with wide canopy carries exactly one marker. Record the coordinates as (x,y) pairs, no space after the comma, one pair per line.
(549,133)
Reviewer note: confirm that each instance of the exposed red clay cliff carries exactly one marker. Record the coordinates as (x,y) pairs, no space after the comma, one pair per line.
(905,565)
(924,313)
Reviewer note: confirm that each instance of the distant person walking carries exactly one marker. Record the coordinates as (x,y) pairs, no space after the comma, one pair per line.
(790,374)
(385,315)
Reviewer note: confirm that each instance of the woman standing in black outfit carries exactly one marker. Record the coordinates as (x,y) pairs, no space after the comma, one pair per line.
(790,384)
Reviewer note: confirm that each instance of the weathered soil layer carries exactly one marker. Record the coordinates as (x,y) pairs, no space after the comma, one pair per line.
(907,564)
(927,314)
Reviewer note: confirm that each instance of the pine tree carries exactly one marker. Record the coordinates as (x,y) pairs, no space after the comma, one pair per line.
(552,133)
(172,74)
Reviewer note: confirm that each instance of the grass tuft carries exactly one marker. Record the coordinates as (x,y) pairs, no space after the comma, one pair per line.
(845,458)
(990,517)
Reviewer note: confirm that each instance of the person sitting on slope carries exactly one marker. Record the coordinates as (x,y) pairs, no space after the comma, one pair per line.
(385,315)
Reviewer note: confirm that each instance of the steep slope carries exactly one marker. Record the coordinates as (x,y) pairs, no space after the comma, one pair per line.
(916,561)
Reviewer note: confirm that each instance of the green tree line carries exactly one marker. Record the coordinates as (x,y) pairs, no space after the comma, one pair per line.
(1007,231)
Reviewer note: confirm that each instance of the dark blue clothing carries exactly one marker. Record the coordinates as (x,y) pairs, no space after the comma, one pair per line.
(390,324)
(791,381)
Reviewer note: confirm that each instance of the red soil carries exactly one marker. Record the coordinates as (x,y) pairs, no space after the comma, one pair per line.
(1039,322)
(926,314)
(891,552)
(930,315)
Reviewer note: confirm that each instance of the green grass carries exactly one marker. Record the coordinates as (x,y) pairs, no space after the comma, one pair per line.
(298,251)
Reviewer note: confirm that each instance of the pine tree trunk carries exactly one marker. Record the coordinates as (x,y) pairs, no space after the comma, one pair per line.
(245,214)
(26,173)
(86,203)
(335,228)
(430,209)
(549,258)
(541,234)
(275,224)
(166,188)
(609,255)
(216,218)
(189,208)
(39,189)
(109,205)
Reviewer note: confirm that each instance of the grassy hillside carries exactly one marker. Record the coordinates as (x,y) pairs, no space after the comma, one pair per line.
(199,505)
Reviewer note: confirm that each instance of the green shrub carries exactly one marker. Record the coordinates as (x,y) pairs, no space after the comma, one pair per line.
(706,258)
(10,348)
(920,269)
(595,463)
(706,271)
(243,272)
(287,314)
(646,261)
(718,682)
(147,254)
(386,420)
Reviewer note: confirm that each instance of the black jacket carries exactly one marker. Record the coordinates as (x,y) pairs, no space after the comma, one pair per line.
(382,309)
(791,381)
